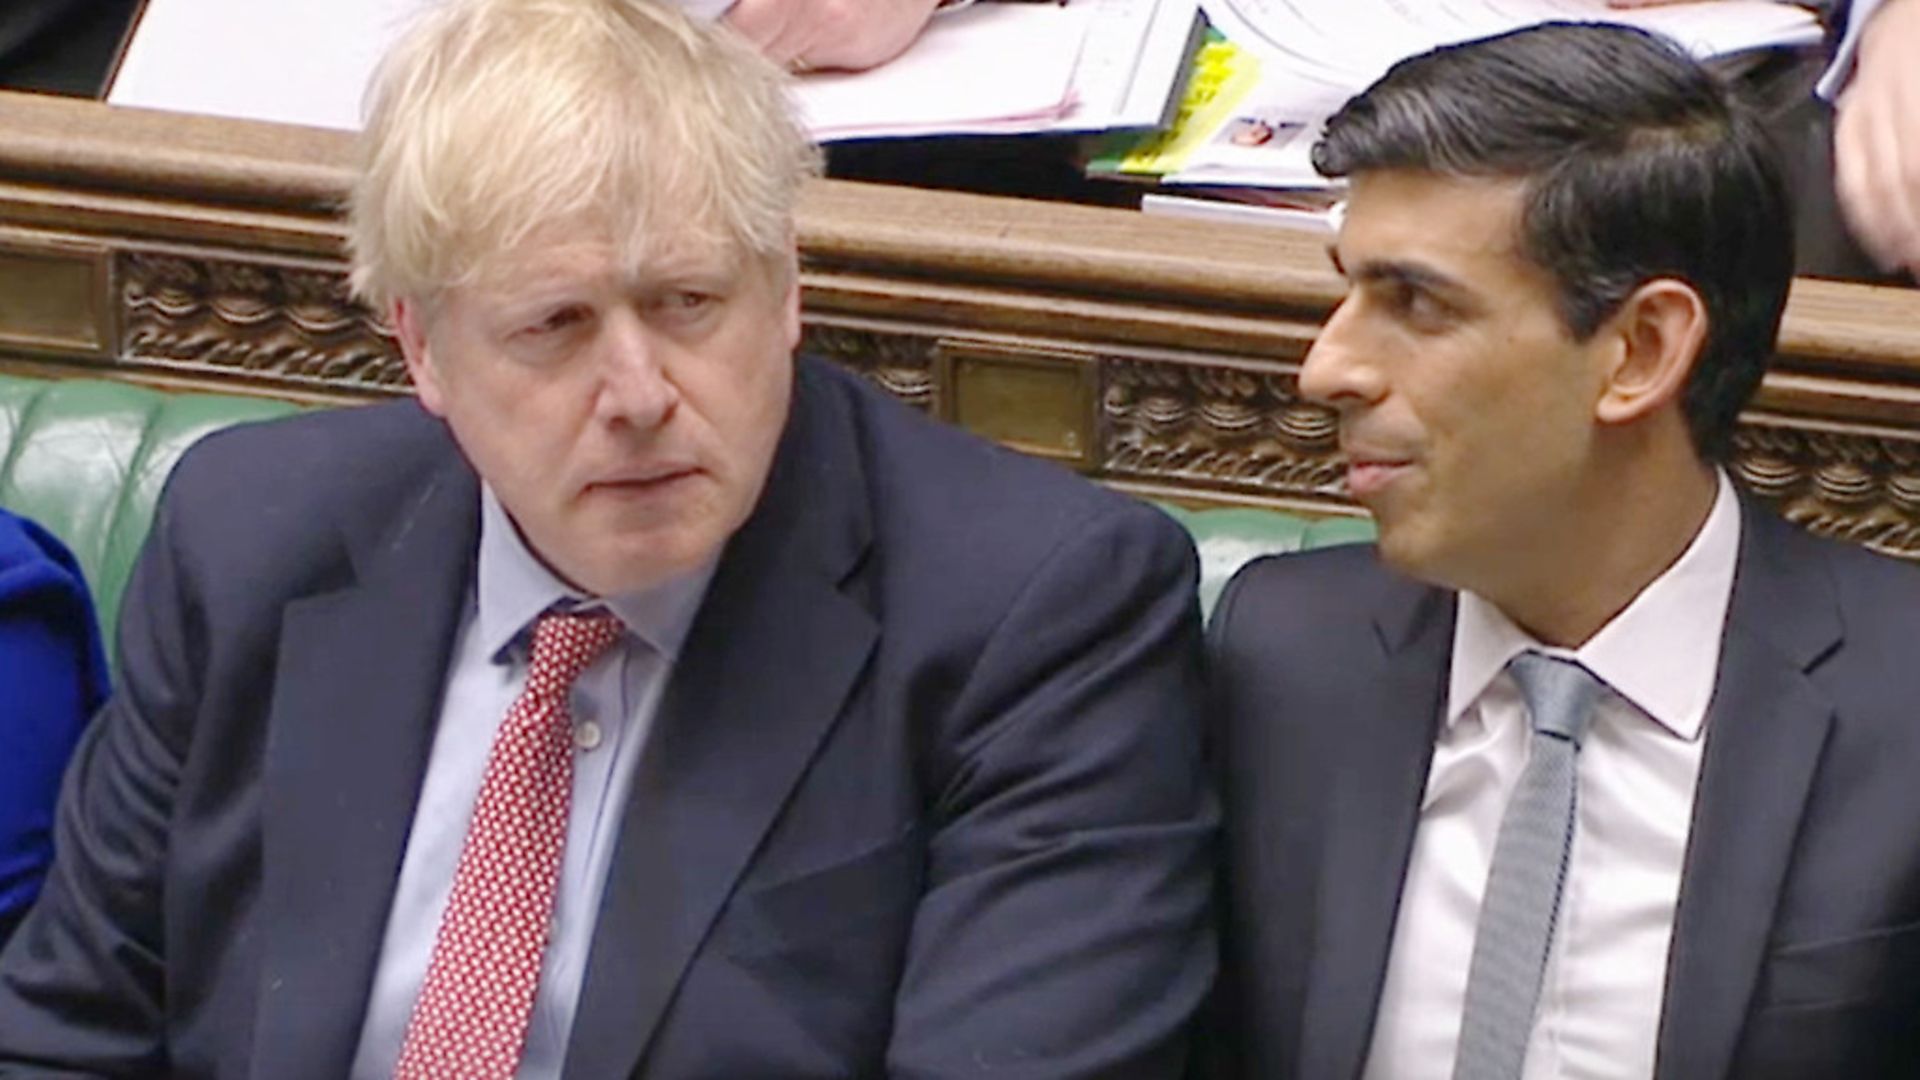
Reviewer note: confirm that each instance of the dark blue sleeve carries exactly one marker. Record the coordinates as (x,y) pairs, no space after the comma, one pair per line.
(52,677)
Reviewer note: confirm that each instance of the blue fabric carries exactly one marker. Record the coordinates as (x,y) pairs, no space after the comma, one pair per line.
(53,674)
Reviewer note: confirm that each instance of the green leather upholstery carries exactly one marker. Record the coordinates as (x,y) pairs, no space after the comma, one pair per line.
(87,458)
(1226,539)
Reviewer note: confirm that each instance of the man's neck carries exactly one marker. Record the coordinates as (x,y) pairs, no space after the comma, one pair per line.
(1628,535)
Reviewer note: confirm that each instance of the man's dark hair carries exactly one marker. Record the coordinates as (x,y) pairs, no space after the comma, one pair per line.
(1638,163)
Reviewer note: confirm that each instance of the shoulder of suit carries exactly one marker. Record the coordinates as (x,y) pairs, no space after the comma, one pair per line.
(1310,601)
(1850,564)
(923,471)
(1878,595)
(353,448)
(268,495)
(1338,575)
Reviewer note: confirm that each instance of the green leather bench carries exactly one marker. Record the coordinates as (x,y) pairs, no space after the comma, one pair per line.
(87,459)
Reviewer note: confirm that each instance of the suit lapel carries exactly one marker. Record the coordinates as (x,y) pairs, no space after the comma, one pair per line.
(1389,733)
(773,654)
(1766,730)
(359,681)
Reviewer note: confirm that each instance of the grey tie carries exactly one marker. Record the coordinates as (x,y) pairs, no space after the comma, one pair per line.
(1529,865)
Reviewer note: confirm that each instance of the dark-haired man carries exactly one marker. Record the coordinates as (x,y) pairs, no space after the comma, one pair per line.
(1592,768)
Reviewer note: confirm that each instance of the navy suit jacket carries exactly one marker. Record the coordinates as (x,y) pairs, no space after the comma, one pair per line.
(52,676)
(1796,945)
(924,797)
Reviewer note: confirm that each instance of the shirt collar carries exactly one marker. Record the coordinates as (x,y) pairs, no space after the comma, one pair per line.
(513,587)
(1661,653)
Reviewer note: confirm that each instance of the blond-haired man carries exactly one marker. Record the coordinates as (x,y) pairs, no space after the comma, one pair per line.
(642,701)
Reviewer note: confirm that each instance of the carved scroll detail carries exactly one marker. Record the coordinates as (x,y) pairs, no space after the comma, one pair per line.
(281,324)
(1220,427)
(1857,487)
(1223,427)
(1217,428)
(901,364)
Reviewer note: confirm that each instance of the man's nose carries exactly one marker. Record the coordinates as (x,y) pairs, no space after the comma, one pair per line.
(1338,371)
(636,389)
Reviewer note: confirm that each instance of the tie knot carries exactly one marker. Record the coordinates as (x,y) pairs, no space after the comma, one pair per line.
(1560,693)
(564,645)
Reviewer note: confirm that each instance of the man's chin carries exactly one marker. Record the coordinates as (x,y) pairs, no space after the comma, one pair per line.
(1408,548)
(636,561)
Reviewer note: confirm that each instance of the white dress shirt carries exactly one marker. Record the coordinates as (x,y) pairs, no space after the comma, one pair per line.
(1601,996)
(612,707)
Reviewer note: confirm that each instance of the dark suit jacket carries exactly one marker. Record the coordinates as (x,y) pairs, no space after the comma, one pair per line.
(924,797)
(1796,947)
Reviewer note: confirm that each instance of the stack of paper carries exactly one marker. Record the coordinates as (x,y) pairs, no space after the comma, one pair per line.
(1310,56)
(1088,65)
(295,63)
(1034,49)
(1353,42)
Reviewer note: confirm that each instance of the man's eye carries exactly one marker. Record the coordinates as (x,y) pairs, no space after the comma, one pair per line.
(688,300)
(1418,306)
(556,320)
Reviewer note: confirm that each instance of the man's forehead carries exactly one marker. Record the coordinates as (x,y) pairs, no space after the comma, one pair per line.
(1461,231)
(1399,214)
(574,254)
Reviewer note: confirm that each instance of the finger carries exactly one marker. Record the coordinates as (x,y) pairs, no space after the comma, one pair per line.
(760,21)
(1868,176)
(1850,169)
(803,38)
(1897,120)
(790,41)
(868,34)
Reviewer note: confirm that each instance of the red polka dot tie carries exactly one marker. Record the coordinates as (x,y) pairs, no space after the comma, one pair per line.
(470,1020)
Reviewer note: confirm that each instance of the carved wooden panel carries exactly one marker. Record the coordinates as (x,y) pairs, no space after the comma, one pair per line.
(1040,401)
(1156,355)
(1857,486)
(54,298)
(900,364)
(257,319)
(1219,428)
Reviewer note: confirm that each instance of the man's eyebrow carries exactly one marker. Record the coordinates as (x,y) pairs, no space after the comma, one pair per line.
(1406,273)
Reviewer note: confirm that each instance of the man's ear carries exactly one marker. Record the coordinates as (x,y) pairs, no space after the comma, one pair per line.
(410,328)
(1658,333)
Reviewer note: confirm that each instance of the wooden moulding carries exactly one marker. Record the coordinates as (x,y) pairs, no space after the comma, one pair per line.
(1156,355)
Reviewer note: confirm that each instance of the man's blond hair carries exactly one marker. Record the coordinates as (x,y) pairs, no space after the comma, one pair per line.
(492,121)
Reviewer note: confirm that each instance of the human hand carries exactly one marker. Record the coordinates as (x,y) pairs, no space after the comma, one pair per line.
(1876,147)
(850,35)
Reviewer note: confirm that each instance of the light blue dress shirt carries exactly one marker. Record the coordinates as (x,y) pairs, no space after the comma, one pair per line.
(613,706)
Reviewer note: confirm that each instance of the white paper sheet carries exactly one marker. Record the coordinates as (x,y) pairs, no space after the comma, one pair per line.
(1317,53)
(1319,223)
(1361,38)
(293,61)
(991,67)
(1132,61)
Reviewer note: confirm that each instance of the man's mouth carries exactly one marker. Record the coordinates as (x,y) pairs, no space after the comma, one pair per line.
(647,481)
(1369,473)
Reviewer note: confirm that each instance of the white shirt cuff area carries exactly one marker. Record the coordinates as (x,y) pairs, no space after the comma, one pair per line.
(705,9)
(1841,68)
